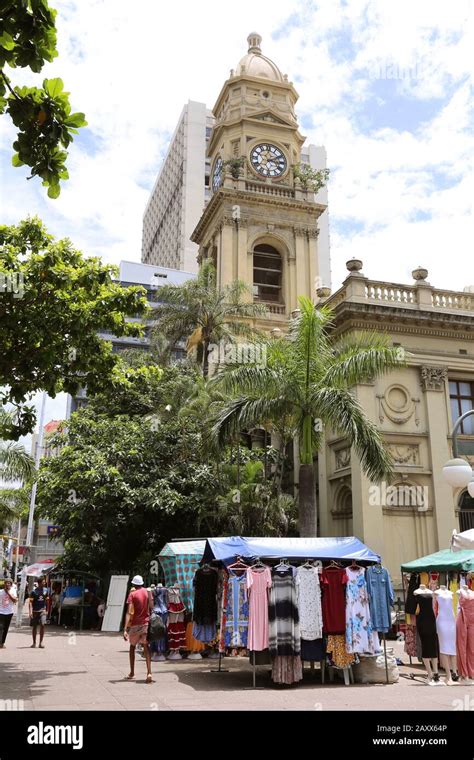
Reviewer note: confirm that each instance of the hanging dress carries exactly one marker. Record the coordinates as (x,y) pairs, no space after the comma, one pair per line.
(446,623)
(359,630)
(176,624)
(308,595)
(284,629)
(465,635)
(334,581)
(381,598)
(258,580)
(205,605)
(234,626)
(426,627)
(160,607)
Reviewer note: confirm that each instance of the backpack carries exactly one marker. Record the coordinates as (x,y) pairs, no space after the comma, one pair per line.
(156,628)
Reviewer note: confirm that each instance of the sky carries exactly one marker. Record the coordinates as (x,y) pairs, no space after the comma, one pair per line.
(386,87)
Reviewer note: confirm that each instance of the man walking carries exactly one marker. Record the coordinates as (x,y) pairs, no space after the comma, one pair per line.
(8,599)
(136,624)
(37,608)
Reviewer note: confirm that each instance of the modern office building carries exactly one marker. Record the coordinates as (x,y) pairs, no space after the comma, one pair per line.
(179,194)
(132,273)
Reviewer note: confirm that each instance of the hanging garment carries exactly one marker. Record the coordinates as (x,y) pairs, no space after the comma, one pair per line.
(359,631)
(259,580)
(411,601)
(381,597)
(446,623)
(453,587)
(426,627)
(308,595)
(336,649)
(287,670)
(334,581)
(312,651)
(176,625)
(433,583)
(465,635)
(192,644)
(410,640)
(160,607)
(205,597)
(234,626)
(284,629)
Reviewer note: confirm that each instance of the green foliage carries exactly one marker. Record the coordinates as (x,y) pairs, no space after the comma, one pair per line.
(203,314)
(42,116)
(234,165)
(122,484)
(309,178)
(50,326)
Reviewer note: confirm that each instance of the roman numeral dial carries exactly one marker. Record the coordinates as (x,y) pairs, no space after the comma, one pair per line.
(268,160)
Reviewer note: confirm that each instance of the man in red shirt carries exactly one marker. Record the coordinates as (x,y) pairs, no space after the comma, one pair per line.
(136,624)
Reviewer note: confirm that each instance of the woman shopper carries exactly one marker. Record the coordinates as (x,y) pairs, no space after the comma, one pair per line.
(8,600)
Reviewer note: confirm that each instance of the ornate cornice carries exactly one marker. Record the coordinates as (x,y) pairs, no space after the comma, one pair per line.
(244,196)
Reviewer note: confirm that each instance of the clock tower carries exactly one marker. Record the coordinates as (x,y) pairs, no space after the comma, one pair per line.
(260,224)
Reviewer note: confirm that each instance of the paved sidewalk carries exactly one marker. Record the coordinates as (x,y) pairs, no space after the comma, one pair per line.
(85,671)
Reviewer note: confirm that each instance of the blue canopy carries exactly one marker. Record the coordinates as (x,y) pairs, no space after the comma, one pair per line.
(227,549)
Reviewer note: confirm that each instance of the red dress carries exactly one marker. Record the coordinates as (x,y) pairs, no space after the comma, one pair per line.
(333,582)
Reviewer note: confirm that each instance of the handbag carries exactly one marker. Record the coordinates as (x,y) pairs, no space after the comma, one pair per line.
(156,628)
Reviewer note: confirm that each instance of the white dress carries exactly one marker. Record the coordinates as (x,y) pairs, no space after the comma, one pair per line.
(446,623)
(308,595)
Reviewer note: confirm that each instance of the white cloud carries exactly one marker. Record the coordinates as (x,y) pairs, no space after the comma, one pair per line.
(131,69)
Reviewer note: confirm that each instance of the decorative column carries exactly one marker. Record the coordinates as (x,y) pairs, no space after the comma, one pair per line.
(433,383)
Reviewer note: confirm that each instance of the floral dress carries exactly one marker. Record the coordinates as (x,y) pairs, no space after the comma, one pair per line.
(360,635)
(235,613)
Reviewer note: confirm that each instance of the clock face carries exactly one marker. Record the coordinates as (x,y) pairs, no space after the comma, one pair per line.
(268,160)
(217,175)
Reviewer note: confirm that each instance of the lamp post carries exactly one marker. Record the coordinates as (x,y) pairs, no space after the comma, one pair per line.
(457,471)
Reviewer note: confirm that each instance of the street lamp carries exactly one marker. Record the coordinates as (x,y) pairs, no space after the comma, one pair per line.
(457,471)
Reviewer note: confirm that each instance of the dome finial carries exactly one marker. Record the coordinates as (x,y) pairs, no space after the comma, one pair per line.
(254,40)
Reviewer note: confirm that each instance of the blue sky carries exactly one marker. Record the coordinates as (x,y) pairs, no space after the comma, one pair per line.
(385,87)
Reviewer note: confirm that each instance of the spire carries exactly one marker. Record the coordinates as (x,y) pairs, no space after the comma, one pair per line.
(254,40)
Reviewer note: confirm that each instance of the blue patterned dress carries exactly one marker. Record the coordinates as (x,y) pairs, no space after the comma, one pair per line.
(235,613)
(360,636)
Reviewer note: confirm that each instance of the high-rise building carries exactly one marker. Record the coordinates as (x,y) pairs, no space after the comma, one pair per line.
(179,194)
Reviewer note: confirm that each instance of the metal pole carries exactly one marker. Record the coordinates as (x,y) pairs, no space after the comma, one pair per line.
(31,514)
(385,654)
(457,425)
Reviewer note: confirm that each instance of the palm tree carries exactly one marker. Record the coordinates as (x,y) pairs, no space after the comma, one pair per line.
(307,382)
(203,314)
(15,463)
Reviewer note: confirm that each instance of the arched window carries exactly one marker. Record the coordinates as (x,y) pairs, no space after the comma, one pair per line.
(267,270)
(466,512)
(342,503)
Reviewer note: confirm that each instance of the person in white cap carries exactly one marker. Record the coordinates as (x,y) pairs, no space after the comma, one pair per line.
(137,618)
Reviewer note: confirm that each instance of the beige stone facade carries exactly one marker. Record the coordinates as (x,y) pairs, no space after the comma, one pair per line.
(415,408)
(260,225)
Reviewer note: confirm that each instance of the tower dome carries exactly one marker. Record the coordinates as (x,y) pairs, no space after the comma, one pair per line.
(254,64)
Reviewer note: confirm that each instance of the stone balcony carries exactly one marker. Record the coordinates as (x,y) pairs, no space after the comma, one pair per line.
(421,296)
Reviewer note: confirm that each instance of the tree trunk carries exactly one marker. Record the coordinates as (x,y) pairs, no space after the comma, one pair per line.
(307,502)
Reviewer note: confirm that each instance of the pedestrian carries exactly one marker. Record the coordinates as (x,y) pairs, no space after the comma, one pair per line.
(8,599)
(136,624)
(37,608)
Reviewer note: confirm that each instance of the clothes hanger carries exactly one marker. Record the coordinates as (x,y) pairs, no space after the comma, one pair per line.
(258,563)
(354,565)
(308,563)
(238,565)
(334,563)
(282,565)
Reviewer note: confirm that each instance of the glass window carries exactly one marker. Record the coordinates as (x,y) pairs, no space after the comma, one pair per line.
(462,400)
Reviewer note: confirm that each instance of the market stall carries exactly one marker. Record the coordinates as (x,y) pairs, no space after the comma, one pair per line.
(439,611)
(274,597)
(75,596)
